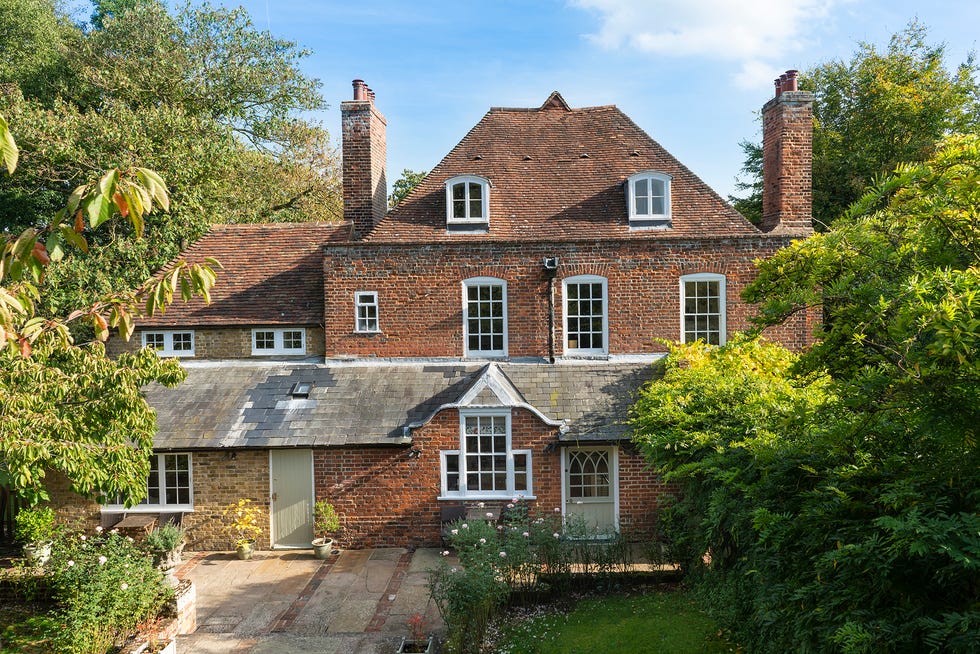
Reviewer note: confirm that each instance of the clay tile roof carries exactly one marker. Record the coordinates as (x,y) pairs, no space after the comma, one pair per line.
(558,173)
(272,274)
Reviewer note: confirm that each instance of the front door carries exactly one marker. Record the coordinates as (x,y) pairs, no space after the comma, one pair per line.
(591,490)
(292,497)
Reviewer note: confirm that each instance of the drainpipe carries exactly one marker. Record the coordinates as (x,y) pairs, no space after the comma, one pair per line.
(551,270)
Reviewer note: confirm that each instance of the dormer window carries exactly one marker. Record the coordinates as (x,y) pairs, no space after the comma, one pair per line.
(648,200)
(467,203)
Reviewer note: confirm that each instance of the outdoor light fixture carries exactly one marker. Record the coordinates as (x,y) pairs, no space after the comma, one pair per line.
(550,263)
(301,389)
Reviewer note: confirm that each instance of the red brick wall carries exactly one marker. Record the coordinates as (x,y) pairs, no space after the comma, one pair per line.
(364,153)
(420,294)
(385,498)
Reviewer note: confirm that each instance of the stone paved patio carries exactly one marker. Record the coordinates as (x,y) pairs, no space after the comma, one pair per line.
(355,602)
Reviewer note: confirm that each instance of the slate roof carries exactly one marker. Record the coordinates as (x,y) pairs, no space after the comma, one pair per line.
(557,173)
(272,274)
(247,404)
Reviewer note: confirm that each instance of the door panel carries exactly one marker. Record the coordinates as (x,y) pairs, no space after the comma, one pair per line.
(292,498)
(590,488)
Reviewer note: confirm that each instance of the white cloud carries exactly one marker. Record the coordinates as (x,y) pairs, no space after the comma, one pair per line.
(746,32)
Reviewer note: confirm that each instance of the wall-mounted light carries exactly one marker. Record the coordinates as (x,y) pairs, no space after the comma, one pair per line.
(550,263)
(414,453)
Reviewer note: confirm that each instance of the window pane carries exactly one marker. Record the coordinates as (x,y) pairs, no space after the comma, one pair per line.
(657,207)
(459,191)
(265,340)
(292,340)
(476,209)
(642,206)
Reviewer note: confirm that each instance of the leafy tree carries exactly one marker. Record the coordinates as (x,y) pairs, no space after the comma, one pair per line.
(404,185)
(838,491)
(202,97)
(67,406)
(875,111)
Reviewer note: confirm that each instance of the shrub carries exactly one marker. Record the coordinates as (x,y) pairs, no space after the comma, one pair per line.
(244,524)
(165,538)
(104,587)
(325,520)
(35,525)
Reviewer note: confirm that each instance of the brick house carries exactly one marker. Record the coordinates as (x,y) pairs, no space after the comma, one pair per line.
(481,341)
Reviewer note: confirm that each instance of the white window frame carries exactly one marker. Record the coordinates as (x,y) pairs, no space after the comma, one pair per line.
(466,219)
(587,351)
(722,303)
(483,281)
(362,322)
(168,342)
(464,492)
(144,506)
(648,220)
(278,340)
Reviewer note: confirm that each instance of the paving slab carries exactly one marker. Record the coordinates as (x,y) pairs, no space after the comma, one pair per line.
(356,602)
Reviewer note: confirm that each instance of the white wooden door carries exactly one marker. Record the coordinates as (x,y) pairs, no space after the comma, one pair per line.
(292,497)
(591,488)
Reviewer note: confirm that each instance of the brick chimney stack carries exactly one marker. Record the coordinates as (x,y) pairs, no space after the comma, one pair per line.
(364,131)
(787,159)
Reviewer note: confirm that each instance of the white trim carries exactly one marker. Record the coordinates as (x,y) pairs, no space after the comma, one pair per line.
(278,339)
(585,279)
(464,492)
(648,220)
(466,219)
(162,481)
(483,281)
(168,342)
(722,304)
(357,312)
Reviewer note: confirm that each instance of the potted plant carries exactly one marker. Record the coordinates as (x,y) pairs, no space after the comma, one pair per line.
(417,641)
(325,523)
(166,544)
(35,528)
(244,526)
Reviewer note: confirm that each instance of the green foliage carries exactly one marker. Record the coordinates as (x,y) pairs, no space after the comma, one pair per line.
(522,558)
(881,108)
(830,500)
(325,520)
(750,206)
(165,538)
(665,623)
(404,185)
(35,525)
(104,587)
(202,97)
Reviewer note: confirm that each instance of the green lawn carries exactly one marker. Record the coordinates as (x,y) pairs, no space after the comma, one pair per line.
(656,622)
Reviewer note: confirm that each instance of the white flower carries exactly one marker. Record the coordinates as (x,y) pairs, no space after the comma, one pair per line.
(503,555)
(539,520)
(98,529)
(452,569)
(113,531)
(557,509)
(465,526)
(454,532)
(556,535)
(526,535)
(481,505)
(71,564)
(489,514)
(483,541)
(510,506)
(445,552)
(102,560)
(124,585)
(83,537)
(129,538)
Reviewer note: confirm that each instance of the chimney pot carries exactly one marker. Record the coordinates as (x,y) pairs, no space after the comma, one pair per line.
(790,83)
(360,89)
(779,86)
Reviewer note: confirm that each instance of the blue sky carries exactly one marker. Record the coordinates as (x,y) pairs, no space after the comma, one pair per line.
(692,73)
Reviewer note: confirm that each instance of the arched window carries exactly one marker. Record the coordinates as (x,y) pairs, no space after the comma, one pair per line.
(467,203)
(648,200)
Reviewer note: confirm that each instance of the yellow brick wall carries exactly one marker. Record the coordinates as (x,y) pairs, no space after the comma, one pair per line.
(230,343)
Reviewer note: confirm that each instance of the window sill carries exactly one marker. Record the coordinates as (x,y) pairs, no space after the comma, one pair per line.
(485,496)
(147,508)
